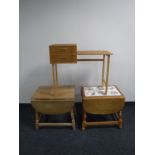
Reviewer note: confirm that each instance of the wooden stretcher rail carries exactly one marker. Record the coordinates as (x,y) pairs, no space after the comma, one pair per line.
(55,124)
(90,59)
(102,123)
(94,52)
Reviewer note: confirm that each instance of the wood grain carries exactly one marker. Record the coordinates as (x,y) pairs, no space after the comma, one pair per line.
(63,53)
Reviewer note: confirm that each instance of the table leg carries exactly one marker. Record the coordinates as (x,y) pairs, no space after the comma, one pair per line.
(37,120)
(73,119)
(120,119)
(107,73)
(84,120)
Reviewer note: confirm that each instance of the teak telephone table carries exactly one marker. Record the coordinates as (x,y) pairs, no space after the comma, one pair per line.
(60,99)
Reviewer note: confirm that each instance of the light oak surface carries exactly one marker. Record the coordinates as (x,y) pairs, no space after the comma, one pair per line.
(51,93)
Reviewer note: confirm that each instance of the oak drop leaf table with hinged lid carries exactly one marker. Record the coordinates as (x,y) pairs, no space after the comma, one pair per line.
(48,100)
(95,101)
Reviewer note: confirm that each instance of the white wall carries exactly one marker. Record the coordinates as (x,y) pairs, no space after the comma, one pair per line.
(92,24)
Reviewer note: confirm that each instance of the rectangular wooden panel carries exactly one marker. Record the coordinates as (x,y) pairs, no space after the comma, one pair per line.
(63,53)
